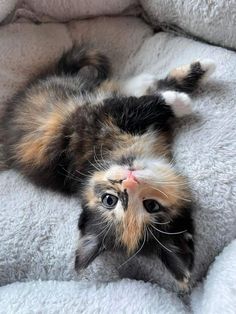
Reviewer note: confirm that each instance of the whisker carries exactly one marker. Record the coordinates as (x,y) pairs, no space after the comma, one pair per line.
(104,230)
(69,175)
(102,153)
(161,223)
(94,166)
(97,161)
(106,235)
(95,157)
(169,233)
(166,182)
(158,241)
(160,191)
(99,223)
(171,194)
(99,165)
(144,240)
(83,174)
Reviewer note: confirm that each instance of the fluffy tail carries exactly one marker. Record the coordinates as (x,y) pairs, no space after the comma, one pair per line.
(75,59)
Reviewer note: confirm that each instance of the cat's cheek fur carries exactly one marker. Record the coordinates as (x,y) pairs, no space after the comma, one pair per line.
(119,212)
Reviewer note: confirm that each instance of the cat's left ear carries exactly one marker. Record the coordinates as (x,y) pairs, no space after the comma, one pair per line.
(89,248)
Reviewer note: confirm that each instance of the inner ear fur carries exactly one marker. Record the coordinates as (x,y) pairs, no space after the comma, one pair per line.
(89,248)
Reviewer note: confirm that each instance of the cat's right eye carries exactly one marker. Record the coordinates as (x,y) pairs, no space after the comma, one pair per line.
(109,201)
(151,206)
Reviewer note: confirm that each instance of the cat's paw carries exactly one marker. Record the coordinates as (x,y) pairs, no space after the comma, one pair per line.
(180,103)
(140,85)
(208,66)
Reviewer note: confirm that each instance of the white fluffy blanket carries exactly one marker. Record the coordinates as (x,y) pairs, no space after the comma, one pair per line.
(39,228)
(215,296)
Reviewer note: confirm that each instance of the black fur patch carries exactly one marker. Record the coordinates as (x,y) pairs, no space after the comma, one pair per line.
(75,59)
(136,115)
(124,198)
(188,84)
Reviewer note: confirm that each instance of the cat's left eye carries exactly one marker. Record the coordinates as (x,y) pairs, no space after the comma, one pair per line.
(109,201)
(151,206)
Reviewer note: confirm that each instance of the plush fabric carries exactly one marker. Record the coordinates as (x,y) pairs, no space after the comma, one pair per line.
(72,297)
(215,296)
(211,20)
(217,293)
(39,232)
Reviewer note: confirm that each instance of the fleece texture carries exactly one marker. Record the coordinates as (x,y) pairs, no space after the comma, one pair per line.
(39,233)
(125,296)
(215,296)
(210,20)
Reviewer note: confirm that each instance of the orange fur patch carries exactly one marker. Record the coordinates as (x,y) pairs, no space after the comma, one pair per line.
(180,73)
(133,229)
(33,148)
(44,129)
(109,86)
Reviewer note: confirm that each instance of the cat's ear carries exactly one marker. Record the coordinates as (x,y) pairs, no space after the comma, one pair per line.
(179,257)
(89,248)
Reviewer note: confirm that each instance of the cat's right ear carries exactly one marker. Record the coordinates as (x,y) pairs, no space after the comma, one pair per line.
(89,248)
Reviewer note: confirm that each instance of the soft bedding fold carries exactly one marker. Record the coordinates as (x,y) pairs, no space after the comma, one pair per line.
(39,232)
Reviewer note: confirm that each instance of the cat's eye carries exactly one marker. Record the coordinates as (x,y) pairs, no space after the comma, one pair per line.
(109,201)
(151,206)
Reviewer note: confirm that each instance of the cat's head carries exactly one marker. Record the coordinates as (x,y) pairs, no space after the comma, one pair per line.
(136,201)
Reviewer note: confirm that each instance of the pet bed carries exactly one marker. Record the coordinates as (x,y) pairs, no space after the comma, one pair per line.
(39,233)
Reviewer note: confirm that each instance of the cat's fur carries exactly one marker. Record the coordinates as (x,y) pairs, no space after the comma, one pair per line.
(100,136)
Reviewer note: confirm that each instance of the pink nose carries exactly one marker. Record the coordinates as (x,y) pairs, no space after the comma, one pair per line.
(130,182)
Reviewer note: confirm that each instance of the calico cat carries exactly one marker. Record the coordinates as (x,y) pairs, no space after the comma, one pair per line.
(108,141)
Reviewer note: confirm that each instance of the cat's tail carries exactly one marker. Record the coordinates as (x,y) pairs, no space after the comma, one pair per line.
(78,57)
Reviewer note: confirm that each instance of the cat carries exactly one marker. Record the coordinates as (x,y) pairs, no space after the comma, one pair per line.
(109,142)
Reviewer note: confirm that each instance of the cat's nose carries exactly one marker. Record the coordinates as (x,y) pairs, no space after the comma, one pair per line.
(130,182)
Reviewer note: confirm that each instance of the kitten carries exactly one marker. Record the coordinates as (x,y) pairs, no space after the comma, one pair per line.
(109,142)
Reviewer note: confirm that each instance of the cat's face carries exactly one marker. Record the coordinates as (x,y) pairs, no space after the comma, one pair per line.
(126,204)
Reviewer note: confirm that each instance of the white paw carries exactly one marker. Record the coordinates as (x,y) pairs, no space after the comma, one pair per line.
(179,102)
(208,66)
(140,85)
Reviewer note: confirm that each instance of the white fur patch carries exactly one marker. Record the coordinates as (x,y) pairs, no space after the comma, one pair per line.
(179,102)
(140,85)
(208,66)
(119,211)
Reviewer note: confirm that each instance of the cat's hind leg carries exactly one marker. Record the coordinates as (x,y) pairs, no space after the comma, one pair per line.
(180,103)
(186,78)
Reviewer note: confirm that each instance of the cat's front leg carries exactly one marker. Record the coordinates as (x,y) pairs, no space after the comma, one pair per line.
(140,85)
(185,78)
